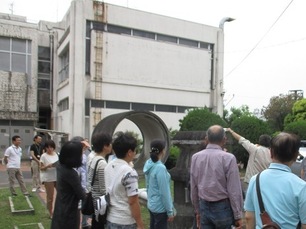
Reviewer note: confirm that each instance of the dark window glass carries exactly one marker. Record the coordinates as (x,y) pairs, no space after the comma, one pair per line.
(166,38)
(97,103)
(43,67)
(182,109)
(118,29)
(43,53)
(145,34)
(117,105)
(87,107)
(142,106)
(204,45)
(43,84)
(188,42)
(166,108)
(87,61)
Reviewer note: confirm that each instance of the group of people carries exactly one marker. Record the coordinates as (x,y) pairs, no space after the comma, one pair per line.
(216,191)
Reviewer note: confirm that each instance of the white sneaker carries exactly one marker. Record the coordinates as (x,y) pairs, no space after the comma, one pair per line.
(34,189)
(41,190)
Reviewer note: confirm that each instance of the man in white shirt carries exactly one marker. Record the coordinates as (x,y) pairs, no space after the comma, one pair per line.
(12,159)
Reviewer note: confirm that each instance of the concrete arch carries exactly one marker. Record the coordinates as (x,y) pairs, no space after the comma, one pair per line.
(150,126)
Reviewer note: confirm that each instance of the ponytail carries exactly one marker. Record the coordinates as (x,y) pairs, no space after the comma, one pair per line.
(157,146)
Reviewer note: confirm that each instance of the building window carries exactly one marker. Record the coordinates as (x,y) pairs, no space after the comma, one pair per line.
(140,33)
(142,106)
(15,55)
(63,105)
(64,66)
(166,38)
(44,68)
(118,29)
(117,105)
(187,42)
(166,108)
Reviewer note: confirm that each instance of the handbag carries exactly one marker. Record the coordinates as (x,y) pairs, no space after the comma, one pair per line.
(265,218)
(88,204)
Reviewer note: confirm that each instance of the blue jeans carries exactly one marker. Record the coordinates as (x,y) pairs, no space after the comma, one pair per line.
(158,220)
(216,215)
(119,226)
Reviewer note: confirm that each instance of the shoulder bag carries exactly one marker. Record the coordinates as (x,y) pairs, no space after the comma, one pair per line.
(267,223)
(88,204)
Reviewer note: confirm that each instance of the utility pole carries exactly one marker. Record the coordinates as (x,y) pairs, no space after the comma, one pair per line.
(11,7)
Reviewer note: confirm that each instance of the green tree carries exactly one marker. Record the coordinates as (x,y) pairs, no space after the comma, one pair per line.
(278,108)
(298,112)
(298,128)
(200,119)
(236,113)
(250,127)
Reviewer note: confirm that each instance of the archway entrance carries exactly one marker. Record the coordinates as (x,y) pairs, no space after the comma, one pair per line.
(150,126)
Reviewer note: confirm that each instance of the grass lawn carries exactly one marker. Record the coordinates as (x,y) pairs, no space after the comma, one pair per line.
(8,220)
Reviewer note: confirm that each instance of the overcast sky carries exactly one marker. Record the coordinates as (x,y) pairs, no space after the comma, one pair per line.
(265,47)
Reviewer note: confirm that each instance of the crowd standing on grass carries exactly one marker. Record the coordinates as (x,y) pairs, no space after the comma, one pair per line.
(36,151)
(283,193)
(102,145)
(48,162)
(121,182)
(158,179)
(12,160)
(69,189)
(259,154)
(215,184)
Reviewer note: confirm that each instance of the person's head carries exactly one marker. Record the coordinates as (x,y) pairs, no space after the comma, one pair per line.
(124,146)
(49,146)
(216,135)
(71,154)
(264,140)
(16,139)
(37,139)
(101,142)
(285,147)
(157,148)
(85,144)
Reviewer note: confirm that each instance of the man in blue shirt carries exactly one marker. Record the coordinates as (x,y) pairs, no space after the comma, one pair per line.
(283,193)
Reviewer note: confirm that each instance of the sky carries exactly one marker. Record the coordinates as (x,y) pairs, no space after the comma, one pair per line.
(265,46)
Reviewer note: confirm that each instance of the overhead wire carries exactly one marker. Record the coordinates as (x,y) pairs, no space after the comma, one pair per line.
(260,40)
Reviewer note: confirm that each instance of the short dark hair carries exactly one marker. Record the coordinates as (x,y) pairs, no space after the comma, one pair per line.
(99,140)
(36,136)
(49,143)
(264,140)
(157,147)
(77,139)
(215,134)
(14,138)
(285,147)
(123,143)
(71,154)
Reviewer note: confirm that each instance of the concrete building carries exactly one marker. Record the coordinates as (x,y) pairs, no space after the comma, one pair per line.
(103,59)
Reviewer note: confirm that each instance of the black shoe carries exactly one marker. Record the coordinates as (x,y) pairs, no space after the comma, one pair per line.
(14,194)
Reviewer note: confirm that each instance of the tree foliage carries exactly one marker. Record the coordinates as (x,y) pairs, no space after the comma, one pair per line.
(278,108)
(298,128)
(200,119)
(236,113)
(249,127)
(298,112)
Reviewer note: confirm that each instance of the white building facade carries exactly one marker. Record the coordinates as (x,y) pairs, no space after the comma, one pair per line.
(105,59)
